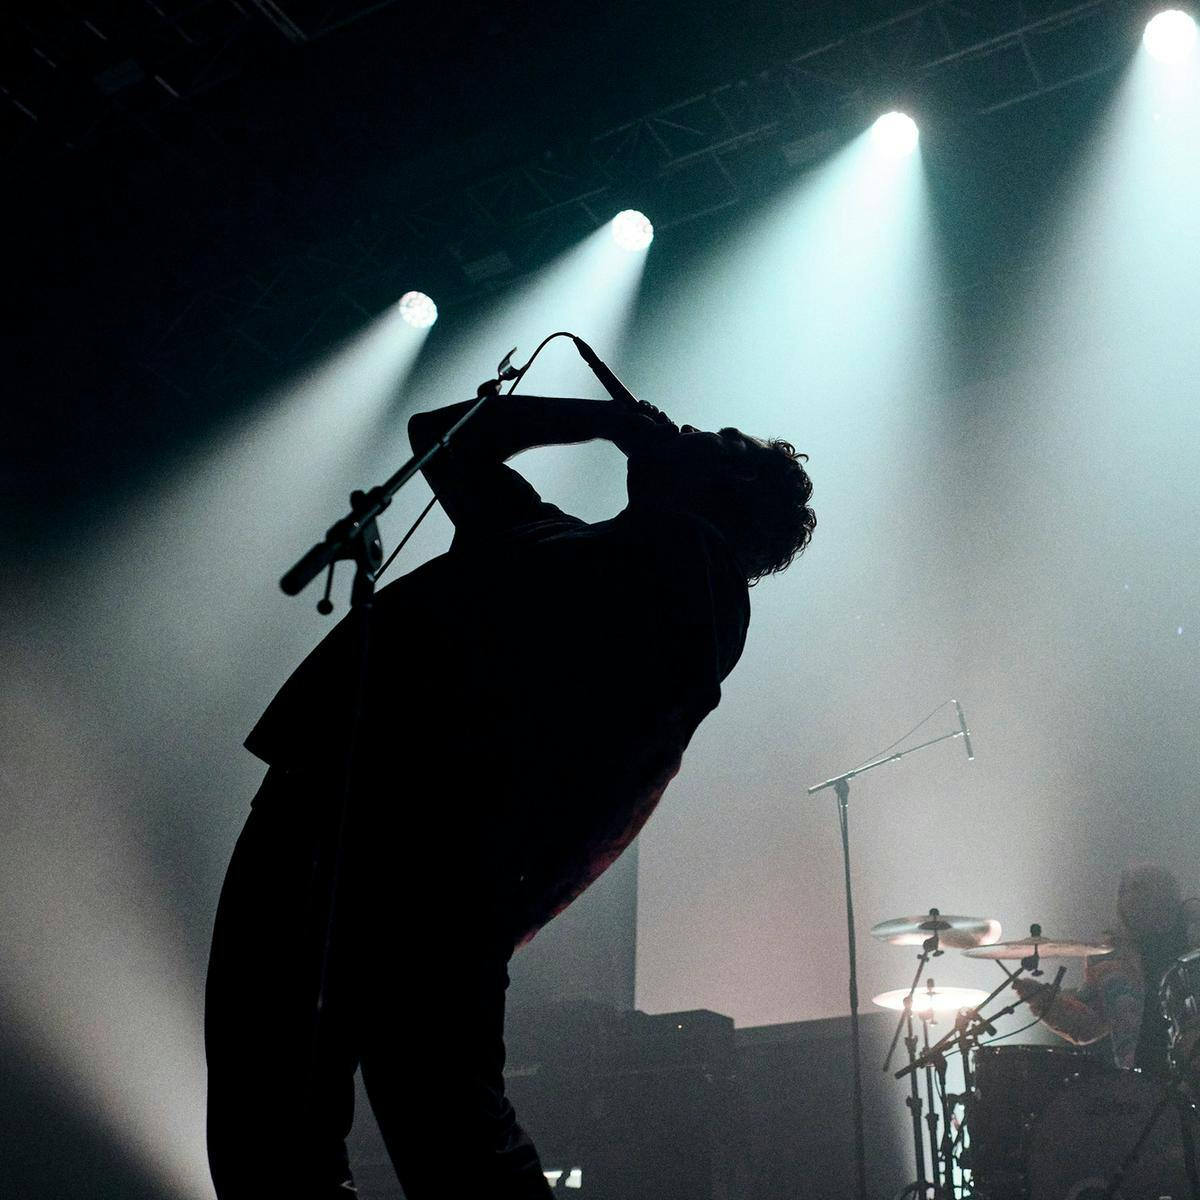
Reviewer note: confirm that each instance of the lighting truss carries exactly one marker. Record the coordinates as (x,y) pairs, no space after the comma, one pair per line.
(470,236)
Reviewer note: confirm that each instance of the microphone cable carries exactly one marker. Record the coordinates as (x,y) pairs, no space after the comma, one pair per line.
(514,380)
(889,749)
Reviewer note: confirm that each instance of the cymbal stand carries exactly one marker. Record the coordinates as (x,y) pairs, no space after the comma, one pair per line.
(941,1136)
(930,948)
(967,1040)
(931,1115)
(961,1020)
(920,1186)
(977,1022)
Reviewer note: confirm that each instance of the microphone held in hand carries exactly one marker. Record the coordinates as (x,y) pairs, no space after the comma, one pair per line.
(608,381)
(966,733)
(622,397)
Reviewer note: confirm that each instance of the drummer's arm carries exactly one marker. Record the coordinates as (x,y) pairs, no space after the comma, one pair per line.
(1120,999)
(1070,1014)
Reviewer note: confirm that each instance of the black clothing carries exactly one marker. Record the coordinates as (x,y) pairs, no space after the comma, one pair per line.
(561,667)
(534,689)
(1153,1044)
(419,1005)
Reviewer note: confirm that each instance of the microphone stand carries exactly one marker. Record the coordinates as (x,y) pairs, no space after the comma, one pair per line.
(841,787)
(356,538)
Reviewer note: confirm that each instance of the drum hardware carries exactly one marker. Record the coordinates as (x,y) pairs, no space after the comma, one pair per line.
(969,1027)
(929,931)
(1018,1139)
(1031,950)
(931,1001)
(943,1167)
(1180,1010)
(1013,1085)
(1088,1125)
(995,1154)
(953,932)
(1179,998)
(978,1023)
(930,948)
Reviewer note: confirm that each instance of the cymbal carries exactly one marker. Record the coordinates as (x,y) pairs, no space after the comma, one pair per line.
(932,1000)
(1046,948)
(954,933)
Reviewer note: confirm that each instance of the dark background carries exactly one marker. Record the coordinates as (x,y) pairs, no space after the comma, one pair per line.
(203,202)
(208,199)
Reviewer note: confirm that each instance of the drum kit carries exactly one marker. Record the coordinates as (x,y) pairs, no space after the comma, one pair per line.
(1038,1122)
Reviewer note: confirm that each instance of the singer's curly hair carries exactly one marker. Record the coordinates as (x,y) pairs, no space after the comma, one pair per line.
(761,504)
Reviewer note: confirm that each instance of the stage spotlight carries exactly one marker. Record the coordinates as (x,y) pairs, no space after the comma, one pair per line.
(418,310)
(1170,37)
(631,230)
(895,134)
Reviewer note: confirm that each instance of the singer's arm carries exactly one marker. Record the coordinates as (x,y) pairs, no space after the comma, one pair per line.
(470,479)
(506,425)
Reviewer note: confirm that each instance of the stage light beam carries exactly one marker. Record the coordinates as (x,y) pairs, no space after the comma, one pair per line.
(895,135)
(1170,36)
(418,310)
(632,230)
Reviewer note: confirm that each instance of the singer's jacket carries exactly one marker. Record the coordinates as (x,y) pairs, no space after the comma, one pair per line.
(532,692)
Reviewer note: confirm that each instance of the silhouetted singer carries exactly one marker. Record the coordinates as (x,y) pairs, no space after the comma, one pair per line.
(535,688)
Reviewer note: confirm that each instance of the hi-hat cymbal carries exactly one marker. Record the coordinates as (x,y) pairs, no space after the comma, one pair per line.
(1046,948)
(954,933)
(927,1001)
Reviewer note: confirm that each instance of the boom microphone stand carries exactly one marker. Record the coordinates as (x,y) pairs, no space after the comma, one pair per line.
(356,538)
(841,787)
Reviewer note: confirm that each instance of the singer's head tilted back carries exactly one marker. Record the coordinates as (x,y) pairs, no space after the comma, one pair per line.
(754,491)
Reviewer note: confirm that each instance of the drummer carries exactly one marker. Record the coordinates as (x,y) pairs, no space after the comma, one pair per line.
(1119,996)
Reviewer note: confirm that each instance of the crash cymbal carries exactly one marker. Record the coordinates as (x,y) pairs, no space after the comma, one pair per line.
(1046,948)
(927,1001)
(954,933)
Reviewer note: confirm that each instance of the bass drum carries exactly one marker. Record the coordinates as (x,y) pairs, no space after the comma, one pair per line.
(1013,1086)
(1085,1132)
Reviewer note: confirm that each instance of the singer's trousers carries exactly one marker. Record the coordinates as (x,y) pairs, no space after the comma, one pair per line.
(415,995)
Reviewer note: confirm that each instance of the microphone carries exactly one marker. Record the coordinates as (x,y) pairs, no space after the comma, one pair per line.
(962,723)
(608,381)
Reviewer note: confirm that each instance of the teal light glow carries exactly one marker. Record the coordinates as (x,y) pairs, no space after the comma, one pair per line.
(895,134)
(1171,36)
(632,230)
(418,310)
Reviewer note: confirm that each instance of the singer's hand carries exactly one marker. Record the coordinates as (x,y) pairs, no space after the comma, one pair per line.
(638,430)
(654,414)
